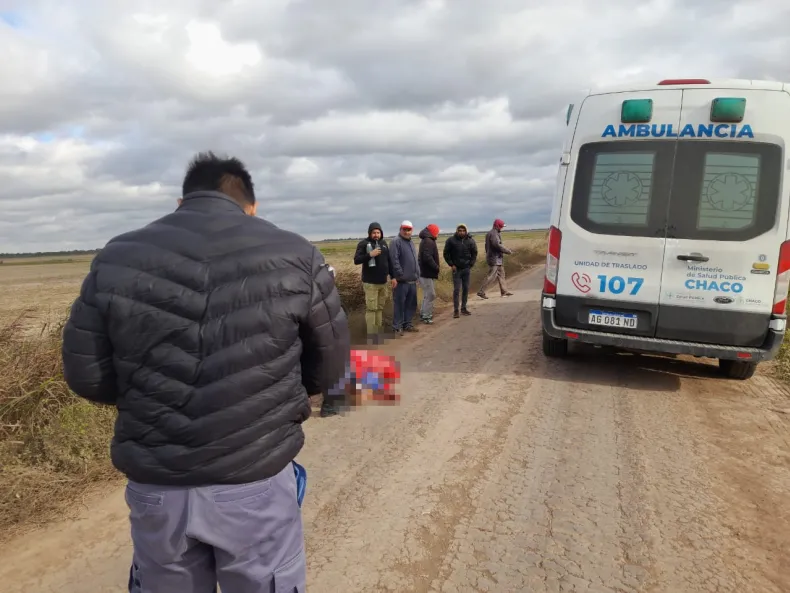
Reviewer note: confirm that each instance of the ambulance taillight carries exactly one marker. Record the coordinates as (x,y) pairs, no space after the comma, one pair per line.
(782,279)
(552,261)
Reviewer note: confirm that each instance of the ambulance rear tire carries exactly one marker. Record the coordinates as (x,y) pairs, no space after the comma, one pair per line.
(554,347)
(737,369)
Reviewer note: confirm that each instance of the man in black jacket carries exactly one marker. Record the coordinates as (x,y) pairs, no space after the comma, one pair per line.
(373,255)
(428,257)
(207,329)
(460,253)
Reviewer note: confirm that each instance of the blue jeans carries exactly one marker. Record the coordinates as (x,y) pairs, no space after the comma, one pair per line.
(404,304)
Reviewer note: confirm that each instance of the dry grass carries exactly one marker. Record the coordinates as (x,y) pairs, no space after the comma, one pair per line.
(54,445)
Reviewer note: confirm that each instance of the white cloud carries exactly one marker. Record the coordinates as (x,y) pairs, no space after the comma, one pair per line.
(209,53)
(302,167)
(430,110)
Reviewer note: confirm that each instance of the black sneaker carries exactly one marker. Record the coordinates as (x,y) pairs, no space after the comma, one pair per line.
(456,314)
(328,411)
(482,295)
(412,330)
(465,312)
(507,294)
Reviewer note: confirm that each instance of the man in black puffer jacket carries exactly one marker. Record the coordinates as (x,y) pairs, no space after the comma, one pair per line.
(208,329)
(460,253)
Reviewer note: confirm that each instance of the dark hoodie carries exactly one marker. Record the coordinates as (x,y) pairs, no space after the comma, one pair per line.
(377,274)
(428,255)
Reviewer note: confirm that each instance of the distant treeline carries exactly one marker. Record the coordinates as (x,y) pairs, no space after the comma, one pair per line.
(95,251)
(443,233)
(50,253)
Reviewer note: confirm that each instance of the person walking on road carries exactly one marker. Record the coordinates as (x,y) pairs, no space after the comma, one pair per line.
(460,253)
(495,252)
(405,271)
(208,329)
(429,270)
(373,255)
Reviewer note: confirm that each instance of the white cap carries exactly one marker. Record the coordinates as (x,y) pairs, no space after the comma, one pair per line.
(407,224)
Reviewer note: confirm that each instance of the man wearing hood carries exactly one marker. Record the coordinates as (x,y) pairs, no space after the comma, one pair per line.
(460,253)
(495,252)
(405,272)
(428,257)
(373,255)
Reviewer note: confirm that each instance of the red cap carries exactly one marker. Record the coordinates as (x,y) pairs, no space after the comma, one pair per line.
(499,223)
(433,229)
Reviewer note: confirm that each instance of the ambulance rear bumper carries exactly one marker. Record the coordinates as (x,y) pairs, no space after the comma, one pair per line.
(767,351)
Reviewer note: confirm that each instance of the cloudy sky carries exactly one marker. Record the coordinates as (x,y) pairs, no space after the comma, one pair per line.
(346,111)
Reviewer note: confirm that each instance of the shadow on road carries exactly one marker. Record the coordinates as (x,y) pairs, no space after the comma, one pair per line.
(584,364)
(600,366)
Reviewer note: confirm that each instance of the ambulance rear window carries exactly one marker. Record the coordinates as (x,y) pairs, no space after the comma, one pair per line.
(687,189)
(728,199)
(620,189)
(724,190)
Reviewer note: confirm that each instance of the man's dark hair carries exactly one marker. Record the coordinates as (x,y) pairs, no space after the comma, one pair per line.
(209,172)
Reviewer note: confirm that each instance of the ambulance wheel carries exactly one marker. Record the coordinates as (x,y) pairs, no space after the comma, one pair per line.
(554,347)
(737,369)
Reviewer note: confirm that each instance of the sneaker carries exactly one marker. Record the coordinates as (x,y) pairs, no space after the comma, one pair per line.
(456,314)
(328,411)
(507,294)
(465,312)
(482,295)
(427,320)
(412,330)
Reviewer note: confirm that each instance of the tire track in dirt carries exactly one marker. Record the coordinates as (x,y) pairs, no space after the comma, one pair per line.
(551,515)
(429,485)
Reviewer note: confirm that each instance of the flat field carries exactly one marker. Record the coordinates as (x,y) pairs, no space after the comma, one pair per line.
(41,289)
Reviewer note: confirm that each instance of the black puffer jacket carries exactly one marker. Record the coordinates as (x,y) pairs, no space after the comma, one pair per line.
(428,255)
(207,329)
(461,253)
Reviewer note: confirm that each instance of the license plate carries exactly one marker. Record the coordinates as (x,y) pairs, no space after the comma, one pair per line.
(609,319)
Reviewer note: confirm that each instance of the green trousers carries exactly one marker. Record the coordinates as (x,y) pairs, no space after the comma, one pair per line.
(375,297)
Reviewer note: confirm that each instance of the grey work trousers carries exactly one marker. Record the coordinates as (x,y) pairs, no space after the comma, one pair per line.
(428,297)
(246,537)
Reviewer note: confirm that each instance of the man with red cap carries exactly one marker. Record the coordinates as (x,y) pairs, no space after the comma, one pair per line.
(428,258)
(495,252)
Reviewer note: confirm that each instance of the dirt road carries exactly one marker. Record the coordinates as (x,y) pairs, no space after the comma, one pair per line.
(503,471)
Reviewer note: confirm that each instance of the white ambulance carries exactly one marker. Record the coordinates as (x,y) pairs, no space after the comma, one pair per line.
(670,223)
